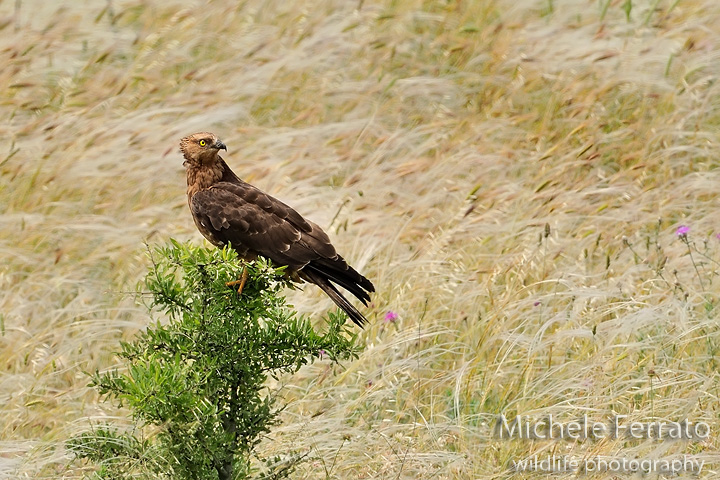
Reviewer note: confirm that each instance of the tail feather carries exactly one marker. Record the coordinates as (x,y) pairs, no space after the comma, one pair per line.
(320,279)
(344,280)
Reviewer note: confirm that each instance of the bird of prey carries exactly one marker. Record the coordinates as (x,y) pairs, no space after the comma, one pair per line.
(228,210)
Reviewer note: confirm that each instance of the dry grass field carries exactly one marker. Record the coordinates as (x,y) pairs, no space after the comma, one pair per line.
(511,174)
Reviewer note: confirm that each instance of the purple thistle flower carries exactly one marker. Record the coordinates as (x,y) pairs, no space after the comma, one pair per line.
(390,316)
(682,230)
(321,353)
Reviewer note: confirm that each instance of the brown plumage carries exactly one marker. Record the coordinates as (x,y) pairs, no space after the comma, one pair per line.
(229,210)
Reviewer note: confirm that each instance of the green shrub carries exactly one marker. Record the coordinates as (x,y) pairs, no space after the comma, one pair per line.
(196,382)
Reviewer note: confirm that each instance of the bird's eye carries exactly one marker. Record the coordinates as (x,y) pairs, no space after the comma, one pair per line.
(203,143)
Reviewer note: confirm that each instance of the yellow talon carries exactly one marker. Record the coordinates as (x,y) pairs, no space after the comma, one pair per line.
(240,282)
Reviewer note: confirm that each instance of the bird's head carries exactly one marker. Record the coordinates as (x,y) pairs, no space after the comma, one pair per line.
(201,148)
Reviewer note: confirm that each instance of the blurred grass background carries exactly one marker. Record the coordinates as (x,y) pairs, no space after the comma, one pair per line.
(510,174)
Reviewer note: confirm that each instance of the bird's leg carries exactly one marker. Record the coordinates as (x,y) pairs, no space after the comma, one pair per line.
(240,282)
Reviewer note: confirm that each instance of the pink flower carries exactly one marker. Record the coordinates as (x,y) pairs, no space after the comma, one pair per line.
(390,316)
(682,230)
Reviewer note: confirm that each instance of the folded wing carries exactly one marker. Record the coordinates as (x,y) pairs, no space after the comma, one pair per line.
(255,223)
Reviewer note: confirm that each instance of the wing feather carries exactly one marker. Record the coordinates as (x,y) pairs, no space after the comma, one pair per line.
(255,222)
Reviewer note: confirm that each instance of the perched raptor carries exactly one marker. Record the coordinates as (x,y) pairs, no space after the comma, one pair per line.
(229,210)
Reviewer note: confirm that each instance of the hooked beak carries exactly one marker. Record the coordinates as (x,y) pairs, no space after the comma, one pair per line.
(219,145)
